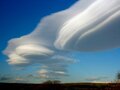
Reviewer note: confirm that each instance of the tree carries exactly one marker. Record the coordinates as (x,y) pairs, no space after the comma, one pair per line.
(118,77)
(52,82)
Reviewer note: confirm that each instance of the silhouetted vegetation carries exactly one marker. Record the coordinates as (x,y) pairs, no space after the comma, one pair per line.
(52,82)
(55,86)
(118,75)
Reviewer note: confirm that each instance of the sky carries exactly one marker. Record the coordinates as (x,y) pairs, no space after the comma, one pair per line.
(91,59)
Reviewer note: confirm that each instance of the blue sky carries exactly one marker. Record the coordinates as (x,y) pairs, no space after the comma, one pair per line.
(20,17)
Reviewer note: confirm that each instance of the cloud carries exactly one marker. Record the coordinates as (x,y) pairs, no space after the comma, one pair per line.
(99,79)
(43,71)
(10,79)
(51,74)
(5,78)
(55,67)
(96,78)
(96,28)
(19,80)
(88,25)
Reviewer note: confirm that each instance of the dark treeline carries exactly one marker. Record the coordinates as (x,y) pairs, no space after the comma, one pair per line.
(57,86)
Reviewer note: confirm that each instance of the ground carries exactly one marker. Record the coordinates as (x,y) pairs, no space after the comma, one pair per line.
(67,86)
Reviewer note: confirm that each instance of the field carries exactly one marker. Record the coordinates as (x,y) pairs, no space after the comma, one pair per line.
(69,86)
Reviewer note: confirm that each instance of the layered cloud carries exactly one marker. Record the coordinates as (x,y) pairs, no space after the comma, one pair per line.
(95,28)
(88,25)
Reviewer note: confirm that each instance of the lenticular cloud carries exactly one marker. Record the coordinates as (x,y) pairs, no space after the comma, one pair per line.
(95,28)
(88,25)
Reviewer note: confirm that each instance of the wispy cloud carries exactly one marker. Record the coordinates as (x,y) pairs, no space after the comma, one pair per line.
(5,78)
(10,79)
(96,78)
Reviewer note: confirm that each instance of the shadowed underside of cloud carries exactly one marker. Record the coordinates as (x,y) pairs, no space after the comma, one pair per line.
(89,25)
(12,79)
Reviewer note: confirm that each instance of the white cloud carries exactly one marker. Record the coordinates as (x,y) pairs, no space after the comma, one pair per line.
(98,79)
(96,28)
(33,50)
(89,25)
(43,71)
(16,59)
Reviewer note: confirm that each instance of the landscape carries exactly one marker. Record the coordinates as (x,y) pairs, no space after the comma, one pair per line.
(60,44)
(63,86)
